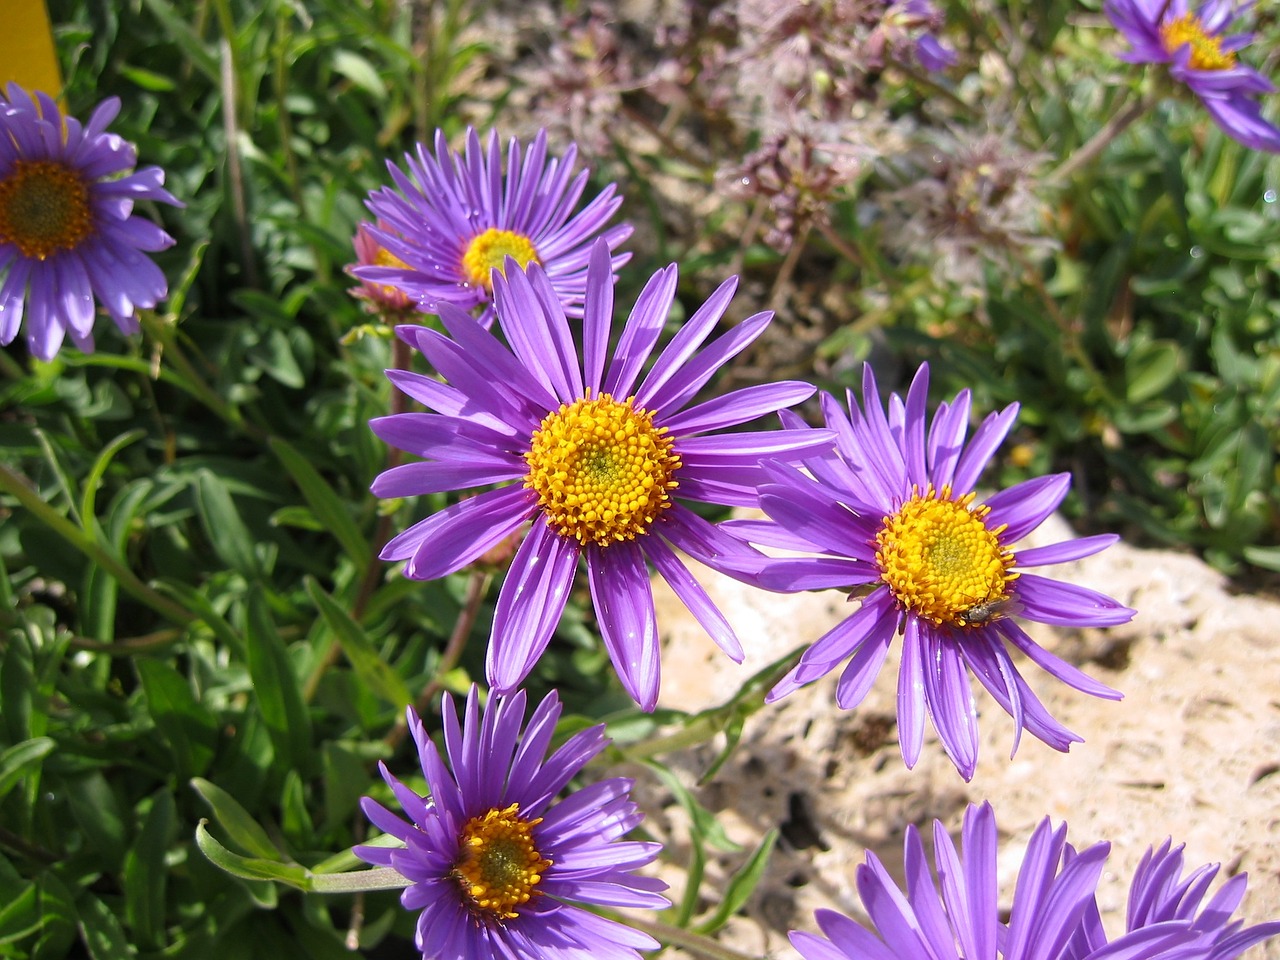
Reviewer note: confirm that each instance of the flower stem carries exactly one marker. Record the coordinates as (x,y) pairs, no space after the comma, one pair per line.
(1100,140)
(694,943)
(477,587)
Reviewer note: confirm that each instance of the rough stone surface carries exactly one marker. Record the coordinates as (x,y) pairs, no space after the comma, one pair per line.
(1192,752)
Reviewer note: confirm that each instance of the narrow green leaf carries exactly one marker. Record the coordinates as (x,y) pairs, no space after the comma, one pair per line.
(93,480)
(96,810)
(227,533)
(1151,369)
(100,930)
(148,79)
(186,725)
(185,37)
(374,672)
(145,873)
(57,914)
(295,818)
(345,781)
(741,885)
(16,761)
(235,819)
(19,912)
(277,689)
(201,609)
(250,868)
(360,72)
(1266,557)
(328,507)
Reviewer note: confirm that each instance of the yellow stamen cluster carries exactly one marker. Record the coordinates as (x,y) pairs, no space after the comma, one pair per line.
(1206,50)
(941,560)
(389,294)
(44,208)
(499,867)
(601,469)
(489,251)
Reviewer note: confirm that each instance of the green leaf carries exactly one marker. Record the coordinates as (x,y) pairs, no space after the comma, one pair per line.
(741,885)
(371,669)
(1150,369)
(101,931)
(16,761)
(345,781)
(57,913)
(185,38)
(94,806)
(148,79)
(235,819)
(92,481)
(19,911)
(328,507)
(146,874)
(250,868)
(276,688)
(230,538)
(360,72)
(186,725)
(200,607)
(1266,557)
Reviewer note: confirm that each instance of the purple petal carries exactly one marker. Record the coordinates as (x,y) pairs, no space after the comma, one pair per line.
(1052,664)
(693,596)
(467,525)
(1066,551)
(737,406)
(529,605)
(1067,605)
(628,625)
(911,693)
(643,326)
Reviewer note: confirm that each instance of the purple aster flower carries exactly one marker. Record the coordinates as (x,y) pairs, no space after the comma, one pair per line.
(68,235)
(957,915)
(908,15)
(498,866)
(379,298)
(894,508)
(1160,894)
(592,451)
(454,219)
(1201,55)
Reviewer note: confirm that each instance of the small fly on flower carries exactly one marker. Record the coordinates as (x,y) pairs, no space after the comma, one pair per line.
(992,608)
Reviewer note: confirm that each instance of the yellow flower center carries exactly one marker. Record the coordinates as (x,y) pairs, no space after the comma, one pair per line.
(941,560)
(44,208)
(1206,50)
(390,294)
(489,251)
(601,469)
(499,866)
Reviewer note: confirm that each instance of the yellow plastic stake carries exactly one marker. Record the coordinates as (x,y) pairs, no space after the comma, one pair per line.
(27,55)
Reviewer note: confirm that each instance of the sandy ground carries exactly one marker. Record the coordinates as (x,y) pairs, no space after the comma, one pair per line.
(1192,752)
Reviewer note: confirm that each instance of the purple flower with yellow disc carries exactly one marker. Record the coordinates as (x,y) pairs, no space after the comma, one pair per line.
(498,866)
(68,233)
(893,508)
(1202,55)
(957,916)
(455,218)
(594,450)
